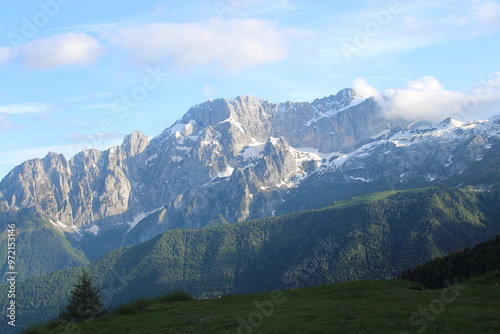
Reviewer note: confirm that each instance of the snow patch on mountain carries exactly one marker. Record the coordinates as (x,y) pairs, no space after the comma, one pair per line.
(177,128)
(176,158)
(359,179)
(302,154)
(226,173)
(334,109)
(148,160)
(255,150)
(140,217)
(94,229)
(184,148)
(445,131)
(238,125)
(380,134)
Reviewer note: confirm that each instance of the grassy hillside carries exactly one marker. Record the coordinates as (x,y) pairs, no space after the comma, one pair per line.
(374,239)
(372,197)
(350,307)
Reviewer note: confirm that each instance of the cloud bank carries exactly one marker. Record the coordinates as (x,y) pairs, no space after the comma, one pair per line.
(71,49)
(427,99)
(8,111)
(25,108)
(232,44)
(61,50)
(6,54)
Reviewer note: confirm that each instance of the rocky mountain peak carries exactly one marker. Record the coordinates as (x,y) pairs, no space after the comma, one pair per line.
(208,113)
(51,156)
(344,98)
(134,143)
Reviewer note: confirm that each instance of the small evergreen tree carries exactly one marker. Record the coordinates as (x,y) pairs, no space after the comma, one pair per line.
(85,301)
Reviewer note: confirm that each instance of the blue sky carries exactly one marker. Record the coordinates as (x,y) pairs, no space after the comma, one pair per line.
(81,74)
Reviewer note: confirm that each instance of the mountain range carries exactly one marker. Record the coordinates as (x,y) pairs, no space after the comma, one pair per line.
(227,161)
(244,195)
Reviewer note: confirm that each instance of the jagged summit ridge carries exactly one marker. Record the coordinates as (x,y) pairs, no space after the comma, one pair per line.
(321,124)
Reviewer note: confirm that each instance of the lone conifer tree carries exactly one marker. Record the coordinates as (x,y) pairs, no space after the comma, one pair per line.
(85,301)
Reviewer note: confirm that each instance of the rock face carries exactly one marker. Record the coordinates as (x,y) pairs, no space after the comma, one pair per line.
(226,161)
(452,152)
(91,186)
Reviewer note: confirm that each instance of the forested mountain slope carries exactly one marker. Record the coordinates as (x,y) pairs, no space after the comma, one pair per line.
(371,238)
(458,266)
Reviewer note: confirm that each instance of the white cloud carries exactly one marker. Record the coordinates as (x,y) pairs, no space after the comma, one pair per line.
(364,89)
(6,54)
(101,27)
(427,99)
(481,16)
(70,49)
(487,11)
(485,97)
(421,24)
(8,111)
(26,108)
(232,44)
